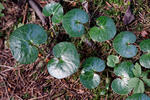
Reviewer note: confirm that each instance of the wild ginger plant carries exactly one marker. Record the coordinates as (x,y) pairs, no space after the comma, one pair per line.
(24,42)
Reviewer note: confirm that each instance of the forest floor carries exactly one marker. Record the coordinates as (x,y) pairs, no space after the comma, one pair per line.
(33,82)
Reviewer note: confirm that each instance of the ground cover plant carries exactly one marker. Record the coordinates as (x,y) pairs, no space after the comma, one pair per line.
(130,79)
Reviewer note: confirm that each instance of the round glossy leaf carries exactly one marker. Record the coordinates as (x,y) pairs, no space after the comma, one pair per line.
(106,29)
(89,79)
(73,22)
(120,86)
(93,63)
(145,60)
(21,42)
(112,60)
(65,62)
(145,45)
(138,96)
(54,9)
(124,70)
(123,44)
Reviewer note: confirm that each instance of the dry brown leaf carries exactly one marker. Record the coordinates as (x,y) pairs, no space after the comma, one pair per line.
(144,34)
(128,17)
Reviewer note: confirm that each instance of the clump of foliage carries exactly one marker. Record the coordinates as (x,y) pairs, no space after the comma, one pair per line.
(137,82)
(25,40)
(54,9)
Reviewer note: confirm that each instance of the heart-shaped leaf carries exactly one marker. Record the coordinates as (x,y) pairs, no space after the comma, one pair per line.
(112,60)
(137,85)
(123,44)
(145,45)
(89,79)
(93,63)
(120,86)
(138,96)
(124,70)
(22,42)
(145,58)
(137,70)
(106,29)
(54,9)
(65,62)
(73,22)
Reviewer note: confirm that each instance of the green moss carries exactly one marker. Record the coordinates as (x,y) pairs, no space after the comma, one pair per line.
(26,96)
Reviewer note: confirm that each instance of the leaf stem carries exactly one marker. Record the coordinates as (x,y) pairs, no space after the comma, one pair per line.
(39,49)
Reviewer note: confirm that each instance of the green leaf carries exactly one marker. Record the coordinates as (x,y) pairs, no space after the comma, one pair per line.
(123,44)
(137,85)
(93,63)
(124,70)
(106,29)
(89,79)
(137,70)
(112,60)
(145,45)
(22,42)
(120,86)
(65,62)
(73,22)
(146,81)
(54,9)
(145,60)
(138,96)
(145,78)
(1,7)
(1,14)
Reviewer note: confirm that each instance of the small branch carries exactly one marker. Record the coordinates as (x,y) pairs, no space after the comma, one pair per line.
(18,97)
(5,71)
(25,13)
(4,66)
(37,10)
(36,98)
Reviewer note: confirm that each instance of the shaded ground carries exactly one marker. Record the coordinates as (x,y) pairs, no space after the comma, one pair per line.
(32,82)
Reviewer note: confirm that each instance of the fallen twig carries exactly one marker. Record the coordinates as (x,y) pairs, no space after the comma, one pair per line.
(36,98)
(18,97)
(4,66)
(37,10)
(25,13)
